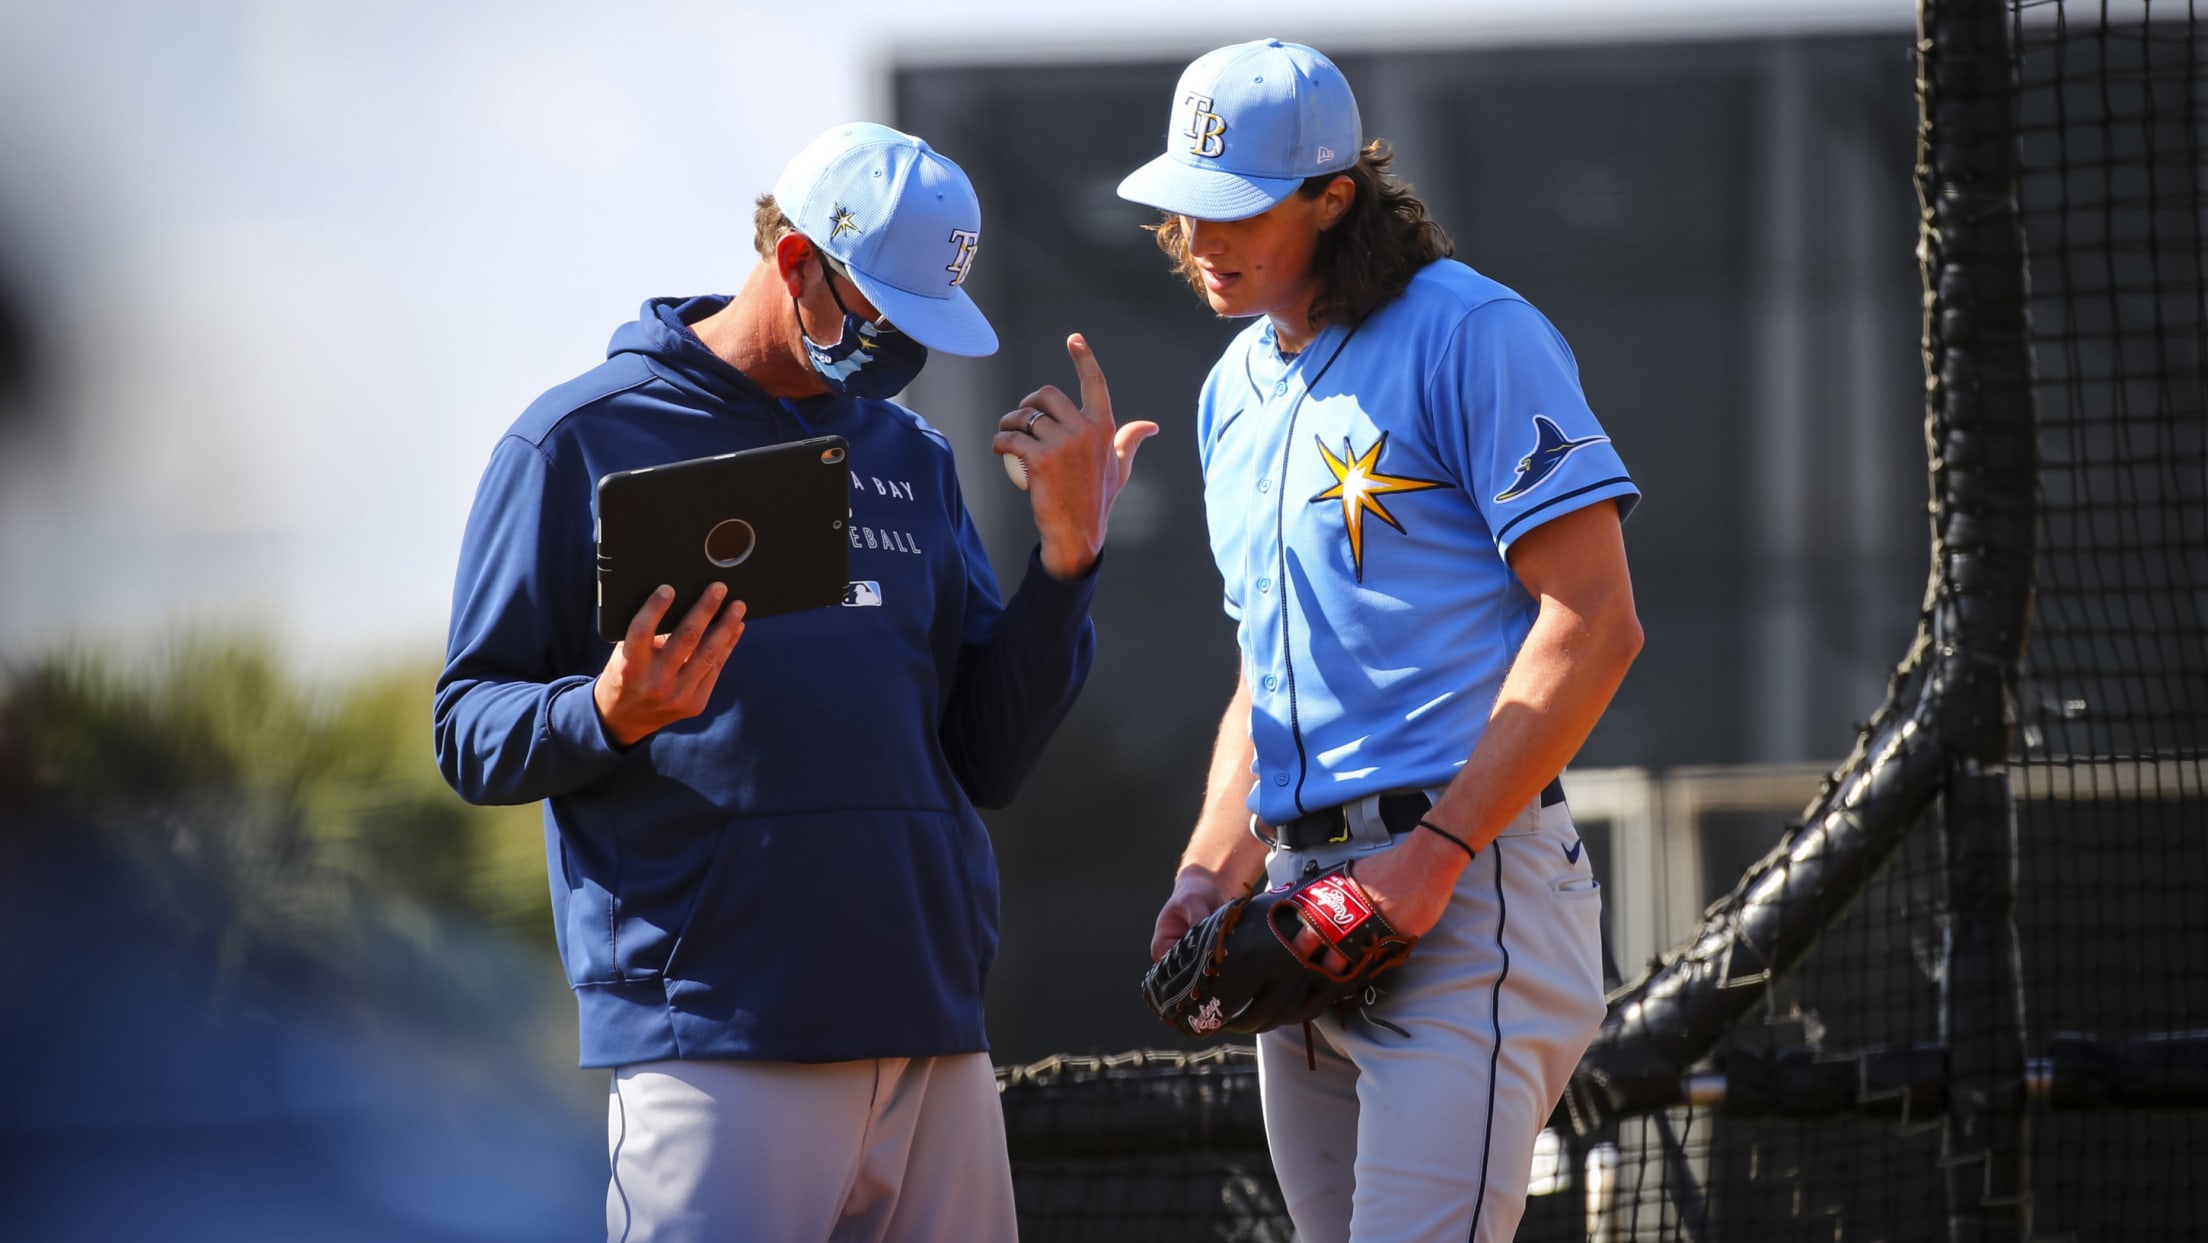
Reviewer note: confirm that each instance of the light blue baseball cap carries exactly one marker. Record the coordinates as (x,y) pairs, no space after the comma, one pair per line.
(904,221)
(1249,123)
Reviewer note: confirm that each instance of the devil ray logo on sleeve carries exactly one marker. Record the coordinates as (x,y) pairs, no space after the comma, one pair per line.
(1550,447)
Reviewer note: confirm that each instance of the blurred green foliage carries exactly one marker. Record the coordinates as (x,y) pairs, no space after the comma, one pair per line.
(218,868)
(310,795)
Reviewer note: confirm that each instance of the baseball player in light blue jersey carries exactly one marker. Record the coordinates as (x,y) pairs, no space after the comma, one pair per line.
(1417,519)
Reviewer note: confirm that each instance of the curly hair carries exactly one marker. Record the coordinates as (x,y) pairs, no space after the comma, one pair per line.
(1366,257)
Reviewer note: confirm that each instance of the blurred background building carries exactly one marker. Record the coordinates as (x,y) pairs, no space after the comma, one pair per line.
(273,279)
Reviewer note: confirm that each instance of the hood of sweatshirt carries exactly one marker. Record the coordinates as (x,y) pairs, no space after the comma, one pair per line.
(660,335)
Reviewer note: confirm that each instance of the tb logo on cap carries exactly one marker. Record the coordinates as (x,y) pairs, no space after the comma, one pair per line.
(1204,126)
(968,242)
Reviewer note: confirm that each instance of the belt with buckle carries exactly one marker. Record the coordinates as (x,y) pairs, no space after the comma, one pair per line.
(1400,812)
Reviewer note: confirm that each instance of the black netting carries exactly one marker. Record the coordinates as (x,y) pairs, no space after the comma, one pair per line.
(2111,175)
(2112,901)
(1865,1167)
(1158,1146)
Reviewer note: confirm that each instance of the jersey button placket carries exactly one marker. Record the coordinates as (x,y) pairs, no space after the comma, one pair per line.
(1277,683)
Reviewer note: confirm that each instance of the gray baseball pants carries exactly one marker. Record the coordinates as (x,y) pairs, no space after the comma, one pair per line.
(1430,1137)
(895,1150)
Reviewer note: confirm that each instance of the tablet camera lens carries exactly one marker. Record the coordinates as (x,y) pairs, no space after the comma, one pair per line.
(730,542)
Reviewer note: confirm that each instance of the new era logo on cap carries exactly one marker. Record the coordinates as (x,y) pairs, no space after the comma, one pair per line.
(1249,123)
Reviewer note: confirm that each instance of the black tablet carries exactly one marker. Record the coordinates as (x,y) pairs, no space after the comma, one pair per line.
(771,523)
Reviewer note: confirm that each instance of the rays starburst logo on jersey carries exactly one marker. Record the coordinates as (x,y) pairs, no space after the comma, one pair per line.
(1359,485)
(842,221)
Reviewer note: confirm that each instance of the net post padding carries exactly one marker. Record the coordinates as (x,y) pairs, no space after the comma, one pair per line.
(2161,1071)
(1905,1085)
(1983,434)
(1947,700)
(1986,1148)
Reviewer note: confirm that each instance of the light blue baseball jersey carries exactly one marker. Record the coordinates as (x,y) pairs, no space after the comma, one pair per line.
(1362,496)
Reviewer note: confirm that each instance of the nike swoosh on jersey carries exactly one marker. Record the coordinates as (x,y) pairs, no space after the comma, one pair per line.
(1571,852)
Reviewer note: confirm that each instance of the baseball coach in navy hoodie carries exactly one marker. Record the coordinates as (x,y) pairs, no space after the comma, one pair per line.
(773,895)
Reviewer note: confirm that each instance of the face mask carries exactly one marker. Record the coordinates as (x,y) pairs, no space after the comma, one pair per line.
(868,360)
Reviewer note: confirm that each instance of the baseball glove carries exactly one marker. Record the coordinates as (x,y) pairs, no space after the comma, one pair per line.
(1240,971)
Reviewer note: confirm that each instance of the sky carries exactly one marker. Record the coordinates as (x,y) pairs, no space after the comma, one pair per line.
(292,268)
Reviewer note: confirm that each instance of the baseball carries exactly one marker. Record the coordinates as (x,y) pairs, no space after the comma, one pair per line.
(1018,470)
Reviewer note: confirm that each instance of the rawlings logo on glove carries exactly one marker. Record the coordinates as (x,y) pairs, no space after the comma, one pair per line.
(1334,905)
(1240,969)
(1207,1019)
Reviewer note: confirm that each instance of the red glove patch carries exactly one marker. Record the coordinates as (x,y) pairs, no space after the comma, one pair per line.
(1334,905)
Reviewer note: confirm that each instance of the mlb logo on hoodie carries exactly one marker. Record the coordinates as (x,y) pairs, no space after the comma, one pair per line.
(862,595)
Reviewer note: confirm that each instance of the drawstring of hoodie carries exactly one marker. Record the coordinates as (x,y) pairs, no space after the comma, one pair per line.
(804,429)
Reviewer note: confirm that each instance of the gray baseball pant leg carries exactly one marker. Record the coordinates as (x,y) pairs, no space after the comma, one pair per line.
(1430,1138)
(894,1150)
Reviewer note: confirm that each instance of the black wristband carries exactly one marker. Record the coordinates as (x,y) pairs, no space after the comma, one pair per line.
(1469,853)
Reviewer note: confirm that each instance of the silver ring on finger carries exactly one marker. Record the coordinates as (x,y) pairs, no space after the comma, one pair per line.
(1033,415)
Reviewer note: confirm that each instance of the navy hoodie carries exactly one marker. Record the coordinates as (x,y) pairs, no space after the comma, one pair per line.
(797,874)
